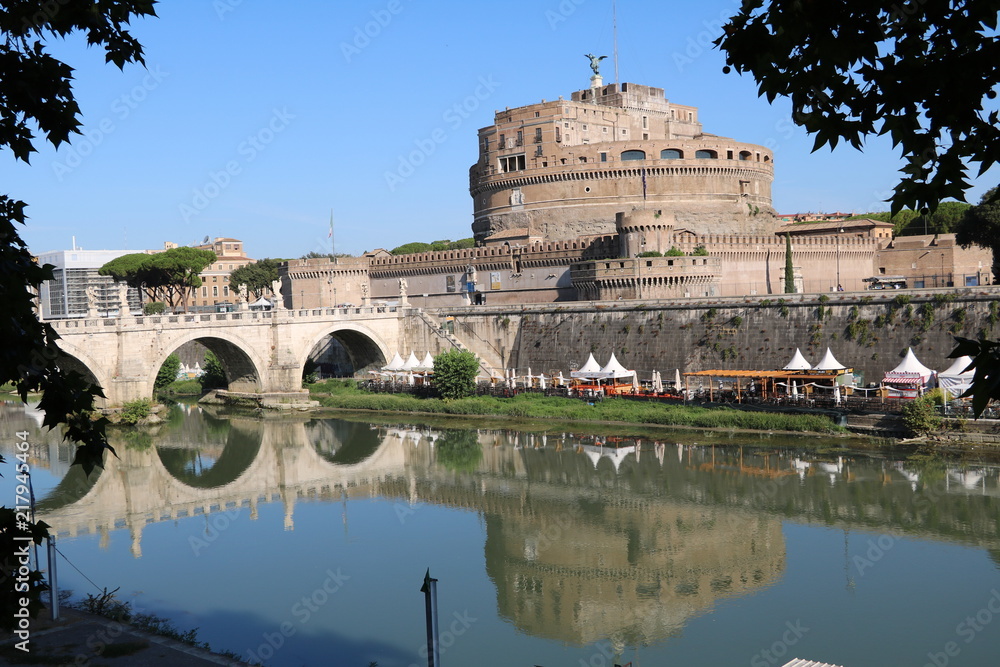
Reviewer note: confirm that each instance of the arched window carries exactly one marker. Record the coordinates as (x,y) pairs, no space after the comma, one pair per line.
(633,155)
(706,155)
(745,155)
(767,158)
(671,154)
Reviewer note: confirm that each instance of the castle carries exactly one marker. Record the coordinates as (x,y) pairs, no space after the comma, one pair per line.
(616,194)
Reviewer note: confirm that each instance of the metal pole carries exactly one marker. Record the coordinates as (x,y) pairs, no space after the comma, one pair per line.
(53,579)
(429,589)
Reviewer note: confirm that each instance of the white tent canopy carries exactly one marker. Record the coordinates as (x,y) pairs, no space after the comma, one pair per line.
(828,363)
(396,364)
(591,369)
(798,363)
(614,369)
(427,364)
(909,378)
(955,380)
(411,362)
(909,366)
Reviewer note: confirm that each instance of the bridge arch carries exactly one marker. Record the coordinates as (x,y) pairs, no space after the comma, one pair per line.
(76,359)
(364,348)
(245,369)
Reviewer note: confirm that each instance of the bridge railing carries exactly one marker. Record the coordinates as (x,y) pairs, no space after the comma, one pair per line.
(240,316)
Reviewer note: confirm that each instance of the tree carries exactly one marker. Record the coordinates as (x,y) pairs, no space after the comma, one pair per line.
(168,275)
(920,72)
(455,373)
(36,95)
(168,371)
(789,267)
(981,226)
(458,451)
(257,276)
(214,376)
(444,244)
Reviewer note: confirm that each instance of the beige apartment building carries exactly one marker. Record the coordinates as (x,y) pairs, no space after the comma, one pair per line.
(215,288)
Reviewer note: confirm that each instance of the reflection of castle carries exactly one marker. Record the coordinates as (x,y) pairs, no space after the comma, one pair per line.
(636,572)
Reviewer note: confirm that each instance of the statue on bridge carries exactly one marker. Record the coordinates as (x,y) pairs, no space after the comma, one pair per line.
(276,292)
(92,301)
(244,295)
(123,309)
(402,292)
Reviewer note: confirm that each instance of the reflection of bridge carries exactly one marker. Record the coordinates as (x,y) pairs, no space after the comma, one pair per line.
(147,486)
(262,352)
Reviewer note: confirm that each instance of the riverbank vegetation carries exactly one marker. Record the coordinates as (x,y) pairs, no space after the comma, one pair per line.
(346,395)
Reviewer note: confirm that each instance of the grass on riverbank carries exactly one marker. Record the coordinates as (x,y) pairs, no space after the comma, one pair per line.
(346,395)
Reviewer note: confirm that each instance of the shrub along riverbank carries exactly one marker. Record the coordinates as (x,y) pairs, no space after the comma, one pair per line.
(345,395)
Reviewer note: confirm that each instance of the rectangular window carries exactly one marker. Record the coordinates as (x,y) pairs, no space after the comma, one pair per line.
(204,291)
(604,157)
(215,279)
(645,123)
(215,290)
(520,138)
(512,163)
(584,126)
(538,135)
(225,291)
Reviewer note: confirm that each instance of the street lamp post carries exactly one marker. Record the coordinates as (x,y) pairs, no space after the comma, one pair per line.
(839,232)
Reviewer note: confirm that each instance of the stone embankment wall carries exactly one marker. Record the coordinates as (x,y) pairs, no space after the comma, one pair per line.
(867,331)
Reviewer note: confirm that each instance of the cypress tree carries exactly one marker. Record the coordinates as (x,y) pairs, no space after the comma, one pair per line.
(789,269)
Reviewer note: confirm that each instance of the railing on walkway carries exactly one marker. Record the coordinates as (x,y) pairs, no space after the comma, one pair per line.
(240,316)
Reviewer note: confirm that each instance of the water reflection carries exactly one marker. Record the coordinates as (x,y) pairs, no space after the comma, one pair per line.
(585,538)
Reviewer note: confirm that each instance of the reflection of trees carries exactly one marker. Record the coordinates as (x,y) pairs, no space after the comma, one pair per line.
(342,442)
(995,556)
(459,450)
(71,488)
(184,463)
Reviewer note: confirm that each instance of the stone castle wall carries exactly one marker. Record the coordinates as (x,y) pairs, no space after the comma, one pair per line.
(867,332)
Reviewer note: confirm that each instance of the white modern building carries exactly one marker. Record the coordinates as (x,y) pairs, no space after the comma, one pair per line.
(74,271)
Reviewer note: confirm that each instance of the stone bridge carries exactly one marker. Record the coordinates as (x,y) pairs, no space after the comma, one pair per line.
(262,352)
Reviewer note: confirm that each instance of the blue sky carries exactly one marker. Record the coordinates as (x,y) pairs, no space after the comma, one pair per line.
(254,119)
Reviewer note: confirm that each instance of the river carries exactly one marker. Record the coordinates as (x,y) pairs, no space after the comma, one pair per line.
(305,541)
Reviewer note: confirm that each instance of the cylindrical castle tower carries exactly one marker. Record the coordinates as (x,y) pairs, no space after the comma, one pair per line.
(564,169)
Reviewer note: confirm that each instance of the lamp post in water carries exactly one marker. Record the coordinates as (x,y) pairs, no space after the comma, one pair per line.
(429,589)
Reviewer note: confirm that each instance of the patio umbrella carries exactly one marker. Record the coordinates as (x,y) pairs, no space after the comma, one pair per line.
(541,381)
(677,379)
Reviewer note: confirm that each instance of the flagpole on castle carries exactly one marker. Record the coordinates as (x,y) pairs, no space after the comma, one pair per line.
(330,235)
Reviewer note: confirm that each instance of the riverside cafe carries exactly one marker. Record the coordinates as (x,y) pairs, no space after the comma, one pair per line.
(909,379)
(796,380)
(592,379)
